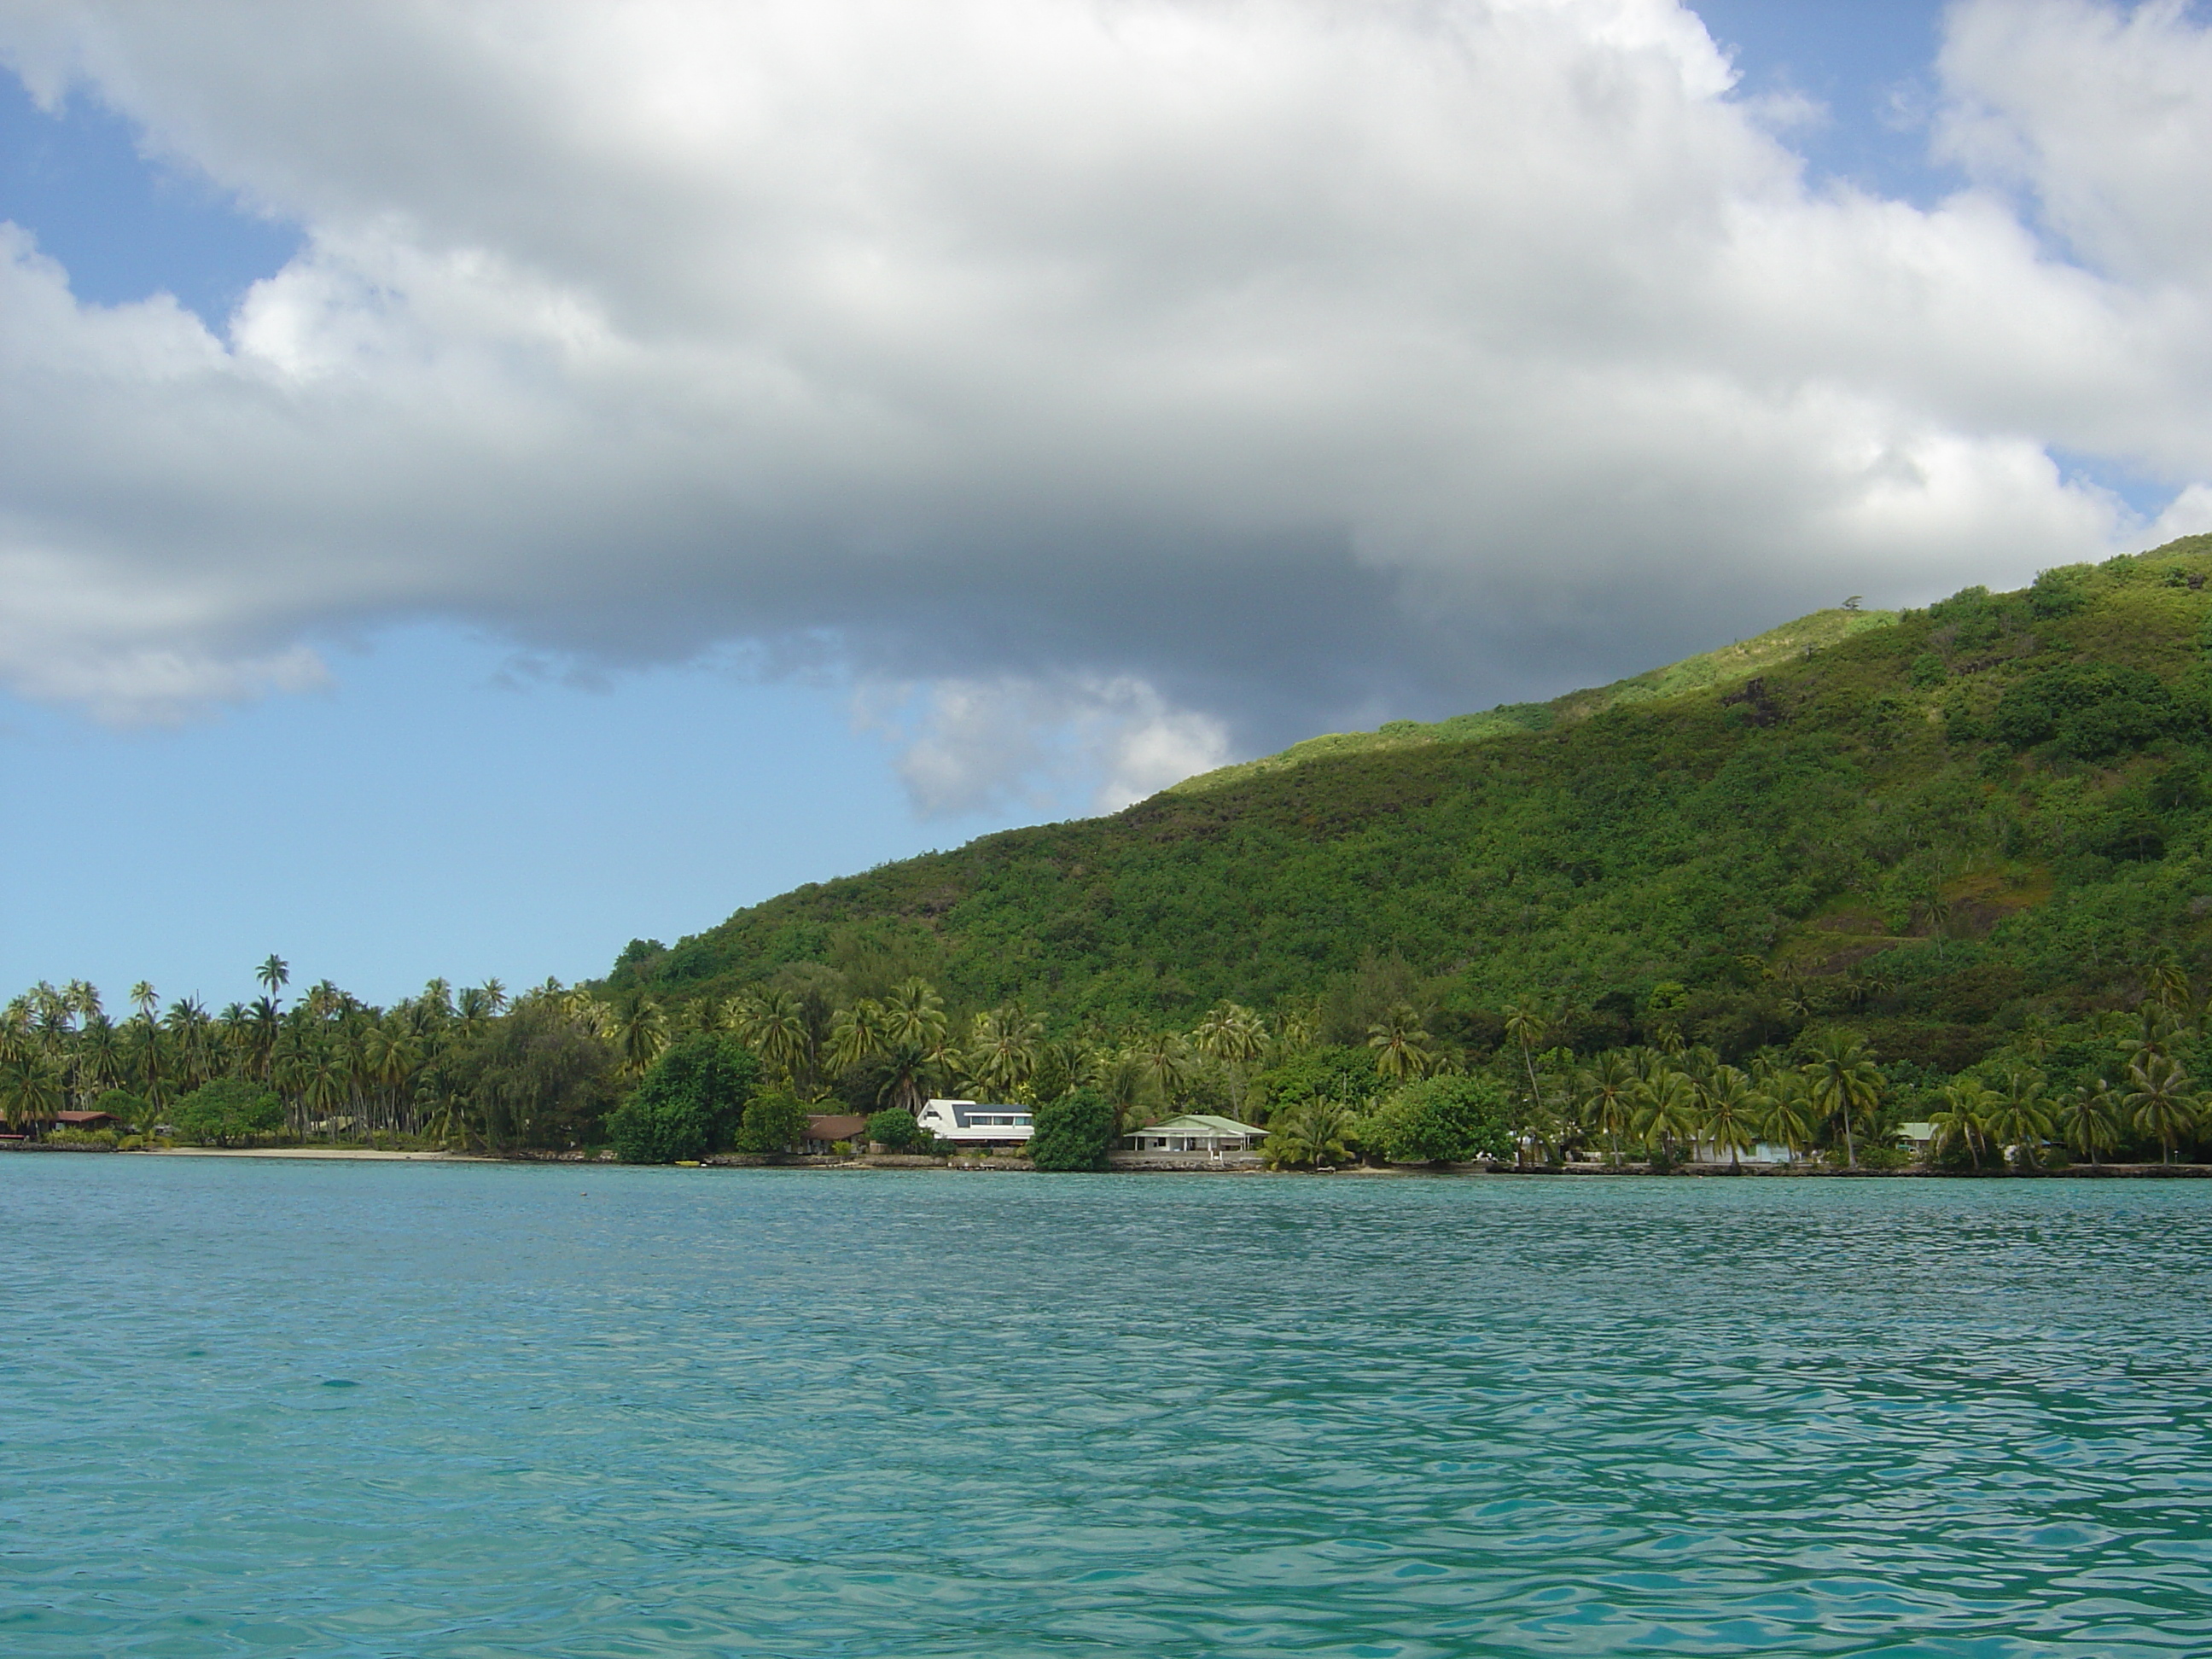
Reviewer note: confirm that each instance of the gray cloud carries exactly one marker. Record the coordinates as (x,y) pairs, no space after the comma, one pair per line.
(1114,385)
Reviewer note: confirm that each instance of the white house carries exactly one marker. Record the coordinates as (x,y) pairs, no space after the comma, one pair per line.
(1197,1131)
(966,1123)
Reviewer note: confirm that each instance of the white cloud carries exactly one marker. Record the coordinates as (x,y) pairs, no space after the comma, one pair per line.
(973,745)
(1148,378)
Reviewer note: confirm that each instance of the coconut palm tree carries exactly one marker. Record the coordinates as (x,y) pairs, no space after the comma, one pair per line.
(2088,1120)
(2166,981)
(1165,1058)
(1840,1068)
(1784,1109)
(1964,1120)
(1527,1028)
(1002,1050)
(1400,1043)
(770,1023)
(2017,1115)
(915,1013)
(641,1032)
(1309,1136)
(1608,1095)
(1667,1111)
(858,1035)
(273,976)
(30,1093)
(1730,1116)
(2159,1099)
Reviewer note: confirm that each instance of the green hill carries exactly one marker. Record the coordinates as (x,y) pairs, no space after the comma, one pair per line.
(1953,824)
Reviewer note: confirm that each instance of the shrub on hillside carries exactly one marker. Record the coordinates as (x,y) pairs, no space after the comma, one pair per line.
(1075,1132)
(2088,710)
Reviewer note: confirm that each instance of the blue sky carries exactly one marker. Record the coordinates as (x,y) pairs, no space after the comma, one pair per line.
(480,780)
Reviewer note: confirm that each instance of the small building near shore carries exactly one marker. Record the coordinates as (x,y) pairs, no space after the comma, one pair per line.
(1196,1132)
(976,1123)
(85,1120)
(824,1131)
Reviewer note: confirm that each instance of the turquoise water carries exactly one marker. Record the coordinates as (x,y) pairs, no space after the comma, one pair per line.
(281,1408)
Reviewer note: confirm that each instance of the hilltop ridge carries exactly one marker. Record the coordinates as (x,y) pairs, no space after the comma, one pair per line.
(1729,664)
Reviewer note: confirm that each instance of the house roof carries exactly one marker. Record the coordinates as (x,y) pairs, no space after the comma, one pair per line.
(1199,1123)
(836,1126)
(86,1117)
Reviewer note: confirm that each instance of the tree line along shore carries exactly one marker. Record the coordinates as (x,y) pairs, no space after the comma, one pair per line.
(571,1071)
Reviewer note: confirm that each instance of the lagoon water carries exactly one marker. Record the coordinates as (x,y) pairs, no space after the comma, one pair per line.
(284,1408)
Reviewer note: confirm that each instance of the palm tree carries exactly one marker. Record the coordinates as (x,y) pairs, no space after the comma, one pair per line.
(1526,1026)
(770,1024)
(1128,1084)
(2166,981)
(1608,1094)
(858,1035)
(1002,1051)
(915,1013)
(2163,1108)
(1311,1135)
(1844,1076)
(640,1033)
(1401,1044)
(2089,1119)
(1165,1060)
(1667,1114)
(1731,1112)
(1964,1120)
(274,974)
(30,1093)
(1785,1110)
(144,994)
(2016,1115)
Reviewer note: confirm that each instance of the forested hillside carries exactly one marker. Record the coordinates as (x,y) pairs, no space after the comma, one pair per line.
(1951,826)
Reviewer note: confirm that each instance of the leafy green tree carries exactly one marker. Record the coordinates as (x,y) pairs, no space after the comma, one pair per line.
(1445,1120)
(774,1121)
(774,1026)
(226,1112)
(543,1076)
(894,1128)
(1075,1132)
(691,1102)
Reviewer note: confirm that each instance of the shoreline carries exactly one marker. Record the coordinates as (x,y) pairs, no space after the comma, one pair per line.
(895,1162)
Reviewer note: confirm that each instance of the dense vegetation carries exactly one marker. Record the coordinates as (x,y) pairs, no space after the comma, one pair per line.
(1951,865)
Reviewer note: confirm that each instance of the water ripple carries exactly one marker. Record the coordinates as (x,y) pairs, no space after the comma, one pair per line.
(257,1408)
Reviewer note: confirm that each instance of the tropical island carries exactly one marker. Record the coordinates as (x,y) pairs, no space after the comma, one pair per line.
(1872,891)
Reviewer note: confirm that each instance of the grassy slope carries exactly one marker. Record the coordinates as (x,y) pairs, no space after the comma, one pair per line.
(1651,831)
(1729,665)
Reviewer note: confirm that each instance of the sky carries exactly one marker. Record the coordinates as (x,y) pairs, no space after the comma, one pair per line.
(480,483)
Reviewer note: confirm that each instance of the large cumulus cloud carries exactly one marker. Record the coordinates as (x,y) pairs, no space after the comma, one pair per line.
(1173,377)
